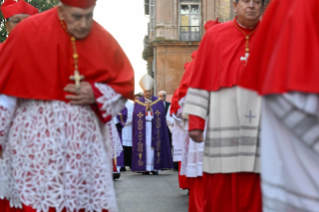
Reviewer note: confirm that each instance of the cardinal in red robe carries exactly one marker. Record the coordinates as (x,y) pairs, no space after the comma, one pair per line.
(67,79)
(16,11)
(231,154)
(283,68)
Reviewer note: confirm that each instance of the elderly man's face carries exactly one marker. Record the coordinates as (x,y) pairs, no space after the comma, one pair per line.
(162,96)
(79,21)
(248,12)
(14,20)
(147,94)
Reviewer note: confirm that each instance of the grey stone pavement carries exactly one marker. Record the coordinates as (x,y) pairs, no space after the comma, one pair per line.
(150,193)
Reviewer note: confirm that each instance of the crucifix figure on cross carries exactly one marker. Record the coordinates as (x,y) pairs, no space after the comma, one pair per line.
(245,58)
(77,78)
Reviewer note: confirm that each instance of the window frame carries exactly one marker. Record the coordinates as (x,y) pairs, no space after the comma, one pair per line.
(183,2)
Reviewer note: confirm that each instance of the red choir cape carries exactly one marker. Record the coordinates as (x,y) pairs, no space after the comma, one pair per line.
(183,86)
(285,51)
(43,60)
(210,23)
(10,8)
(174,102)
(79,3)
(218,61)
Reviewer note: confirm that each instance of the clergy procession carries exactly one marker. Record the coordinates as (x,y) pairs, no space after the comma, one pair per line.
(240,133)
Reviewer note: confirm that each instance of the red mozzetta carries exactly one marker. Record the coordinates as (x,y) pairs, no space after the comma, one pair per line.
(285,53)
(46,60)
(218,64)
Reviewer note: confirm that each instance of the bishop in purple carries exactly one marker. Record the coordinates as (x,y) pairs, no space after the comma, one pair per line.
(151,146)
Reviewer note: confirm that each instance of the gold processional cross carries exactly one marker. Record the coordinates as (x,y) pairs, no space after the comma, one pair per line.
(77,78)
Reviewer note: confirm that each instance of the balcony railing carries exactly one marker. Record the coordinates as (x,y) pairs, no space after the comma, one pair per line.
(190,33)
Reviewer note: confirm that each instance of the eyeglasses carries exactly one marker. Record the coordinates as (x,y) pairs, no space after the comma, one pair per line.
(15,20)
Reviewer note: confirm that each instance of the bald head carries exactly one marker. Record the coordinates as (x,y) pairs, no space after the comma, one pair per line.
(162,95)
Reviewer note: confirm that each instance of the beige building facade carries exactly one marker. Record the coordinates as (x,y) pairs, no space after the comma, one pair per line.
(175,30)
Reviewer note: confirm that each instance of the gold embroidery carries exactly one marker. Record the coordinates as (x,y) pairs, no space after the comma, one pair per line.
(140,145)
(140,162)
(121,119)
(140,124)
(144,104)
(140,115)
(158,136)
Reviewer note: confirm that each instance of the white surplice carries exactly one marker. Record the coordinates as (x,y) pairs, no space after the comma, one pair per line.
(148,138)
(192,152)
(127,129)
(290,153)
(57,155)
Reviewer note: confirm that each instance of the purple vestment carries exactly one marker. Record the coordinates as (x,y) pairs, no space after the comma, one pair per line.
(122,118)
(160,139)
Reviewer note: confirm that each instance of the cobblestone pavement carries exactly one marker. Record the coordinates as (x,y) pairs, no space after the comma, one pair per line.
(150,193)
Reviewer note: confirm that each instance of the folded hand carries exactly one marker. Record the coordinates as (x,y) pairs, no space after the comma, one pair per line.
(196,135)
(82,96)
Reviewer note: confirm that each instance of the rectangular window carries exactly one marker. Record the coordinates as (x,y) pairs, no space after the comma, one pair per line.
(190,21)
(152,14)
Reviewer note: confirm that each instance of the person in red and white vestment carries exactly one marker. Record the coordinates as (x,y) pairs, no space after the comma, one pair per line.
(231,162)
(14,12)
(67,79)
(284,70)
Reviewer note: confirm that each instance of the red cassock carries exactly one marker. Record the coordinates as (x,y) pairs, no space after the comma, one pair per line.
(218,65)
(285,52)
(5,207)
(46,63)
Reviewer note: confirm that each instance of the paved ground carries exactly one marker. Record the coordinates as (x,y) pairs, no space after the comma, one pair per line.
(150,193)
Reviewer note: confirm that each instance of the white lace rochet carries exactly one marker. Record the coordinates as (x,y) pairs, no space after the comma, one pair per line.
(57,156)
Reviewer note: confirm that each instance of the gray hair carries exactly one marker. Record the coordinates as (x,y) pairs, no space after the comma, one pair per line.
(163,92)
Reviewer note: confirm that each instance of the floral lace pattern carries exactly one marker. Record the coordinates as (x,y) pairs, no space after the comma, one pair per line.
(117,146)
(5,120)
(58,156)
(112,102)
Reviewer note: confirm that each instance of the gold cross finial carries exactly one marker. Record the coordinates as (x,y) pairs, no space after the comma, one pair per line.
(140,115)
(77,78)
(158,113)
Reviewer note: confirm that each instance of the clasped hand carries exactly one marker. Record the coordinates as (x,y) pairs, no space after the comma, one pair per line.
(196,135)
(82,96)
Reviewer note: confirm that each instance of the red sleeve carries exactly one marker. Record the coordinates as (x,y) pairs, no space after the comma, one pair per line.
(97,106)
(196,123)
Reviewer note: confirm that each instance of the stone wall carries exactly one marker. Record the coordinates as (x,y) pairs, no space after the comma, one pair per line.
(170,64)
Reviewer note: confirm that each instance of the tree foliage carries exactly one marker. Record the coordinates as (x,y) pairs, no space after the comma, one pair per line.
(42,5)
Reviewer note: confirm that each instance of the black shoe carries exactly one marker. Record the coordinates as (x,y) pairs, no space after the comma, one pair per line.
(146,173)
(155,172)
(123,169)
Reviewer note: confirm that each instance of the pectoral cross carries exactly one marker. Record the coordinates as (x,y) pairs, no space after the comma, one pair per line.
(245,58)
(77,78)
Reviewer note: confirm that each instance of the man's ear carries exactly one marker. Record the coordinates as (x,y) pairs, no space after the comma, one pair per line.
(60,9)
(235,7)
(6,24)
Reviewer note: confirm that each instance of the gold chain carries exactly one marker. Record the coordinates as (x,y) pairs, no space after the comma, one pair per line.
(247,36)
(73,40)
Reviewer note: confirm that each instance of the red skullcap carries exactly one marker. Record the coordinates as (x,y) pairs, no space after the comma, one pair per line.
(10,8)
(209,24)
(79,3)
